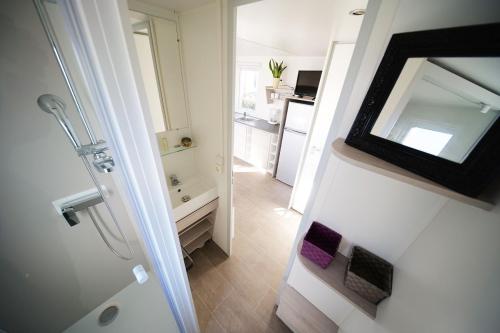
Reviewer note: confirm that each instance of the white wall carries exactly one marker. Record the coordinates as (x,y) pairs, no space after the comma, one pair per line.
(202,54)
(182,164)
(446,259)
(447,281)
(50,274)
(384,225)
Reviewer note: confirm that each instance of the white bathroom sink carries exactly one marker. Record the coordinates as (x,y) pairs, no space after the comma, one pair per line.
(199,192)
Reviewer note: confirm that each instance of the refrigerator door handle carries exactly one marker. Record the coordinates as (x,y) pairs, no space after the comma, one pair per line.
(295,131)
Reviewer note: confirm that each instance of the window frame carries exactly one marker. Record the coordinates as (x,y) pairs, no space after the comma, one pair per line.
(257,67)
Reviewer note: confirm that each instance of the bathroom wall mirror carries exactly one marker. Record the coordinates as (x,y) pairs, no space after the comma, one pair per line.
(157,43)
(434,106)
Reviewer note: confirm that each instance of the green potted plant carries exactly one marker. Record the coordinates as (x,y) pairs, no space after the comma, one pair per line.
(276,69)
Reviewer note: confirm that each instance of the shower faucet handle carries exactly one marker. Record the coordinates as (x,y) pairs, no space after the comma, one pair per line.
(103,163)
(92,149)
(70,216)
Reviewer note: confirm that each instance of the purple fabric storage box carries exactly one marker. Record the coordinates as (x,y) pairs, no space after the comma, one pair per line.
(320,244)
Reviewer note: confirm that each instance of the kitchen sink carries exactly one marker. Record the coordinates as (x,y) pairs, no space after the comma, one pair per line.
(248,120)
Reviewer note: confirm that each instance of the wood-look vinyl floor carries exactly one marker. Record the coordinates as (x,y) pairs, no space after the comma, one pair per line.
(238,293)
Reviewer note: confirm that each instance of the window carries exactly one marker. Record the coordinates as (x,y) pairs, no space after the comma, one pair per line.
(247,97)
(432,142)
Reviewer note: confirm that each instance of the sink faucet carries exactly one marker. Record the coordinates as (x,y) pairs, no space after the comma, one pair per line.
(174,181)
(244,115)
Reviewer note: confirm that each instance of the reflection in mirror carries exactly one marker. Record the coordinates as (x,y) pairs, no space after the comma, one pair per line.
(160,63)
(442,106)
(146,64)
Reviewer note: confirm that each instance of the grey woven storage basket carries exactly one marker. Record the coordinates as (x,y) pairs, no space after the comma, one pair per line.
(368,275)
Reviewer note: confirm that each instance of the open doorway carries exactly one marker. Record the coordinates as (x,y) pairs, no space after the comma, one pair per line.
(273,51)
(281,124)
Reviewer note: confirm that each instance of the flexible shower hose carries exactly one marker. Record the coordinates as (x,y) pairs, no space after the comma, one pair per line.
(115,222)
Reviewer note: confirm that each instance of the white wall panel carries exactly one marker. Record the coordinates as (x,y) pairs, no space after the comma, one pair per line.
(379,213)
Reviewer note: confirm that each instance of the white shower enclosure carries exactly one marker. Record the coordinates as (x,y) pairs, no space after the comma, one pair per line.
(58,275)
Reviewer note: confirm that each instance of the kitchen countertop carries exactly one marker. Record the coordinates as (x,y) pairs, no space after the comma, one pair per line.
(257,123)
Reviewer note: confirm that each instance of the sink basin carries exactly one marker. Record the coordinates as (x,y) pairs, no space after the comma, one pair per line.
(199,192)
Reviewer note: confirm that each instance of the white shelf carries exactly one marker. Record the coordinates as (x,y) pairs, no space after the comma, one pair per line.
(190,235)
(369,162)
(300,315)
(333,276)
(198,242)
(282,91)
(173,150)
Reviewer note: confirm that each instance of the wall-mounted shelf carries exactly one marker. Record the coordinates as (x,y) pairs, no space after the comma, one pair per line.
(302,316)
(333,276)
(173,150)
(368,162)
(282,92)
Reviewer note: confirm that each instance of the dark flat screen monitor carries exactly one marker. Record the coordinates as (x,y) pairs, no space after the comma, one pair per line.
(307,83)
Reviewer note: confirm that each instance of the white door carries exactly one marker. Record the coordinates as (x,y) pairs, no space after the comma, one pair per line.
(291,150)
(328,98)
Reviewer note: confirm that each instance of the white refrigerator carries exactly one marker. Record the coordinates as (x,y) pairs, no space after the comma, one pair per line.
(297,123)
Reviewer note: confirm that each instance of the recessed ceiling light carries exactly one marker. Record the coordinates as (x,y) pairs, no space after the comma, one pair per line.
(357,12)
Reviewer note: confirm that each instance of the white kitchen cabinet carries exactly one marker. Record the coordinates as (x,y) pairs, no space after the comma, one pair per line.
(255,146)
(260,142)
(240,138)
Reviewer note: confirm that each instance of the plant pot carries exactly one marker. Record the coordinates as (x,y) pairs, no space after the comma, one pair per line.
(276,82)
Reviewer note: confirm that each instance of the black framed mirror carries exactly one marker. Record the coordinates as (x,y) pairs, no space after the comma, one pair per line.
(433,106)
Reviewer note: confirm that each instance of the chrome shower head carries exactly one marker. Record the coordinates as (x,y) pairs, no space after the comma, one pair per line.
(55,106)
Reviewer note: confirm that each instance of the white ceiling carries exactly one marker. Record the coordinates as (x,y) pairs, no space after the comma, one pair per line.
(485,72)
(177,5)
(298,27)
(482,71)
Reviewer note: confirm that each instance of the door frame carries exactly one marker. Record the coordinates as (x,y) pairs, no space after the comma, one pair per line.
(102,35)
(229,9)
(321,91)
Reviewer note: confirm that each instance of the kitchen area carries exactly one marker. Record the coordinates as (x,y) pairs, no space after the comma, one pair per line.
(276,144)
